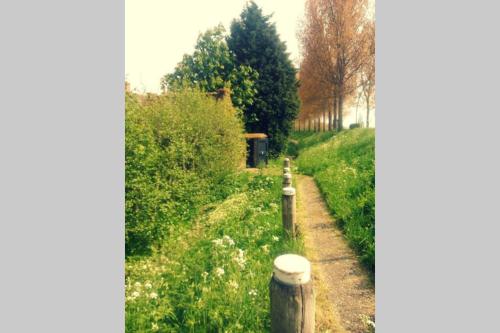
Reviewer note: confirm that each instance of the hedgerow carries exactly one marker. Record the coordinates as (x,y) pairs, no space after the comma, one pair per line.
(182,150)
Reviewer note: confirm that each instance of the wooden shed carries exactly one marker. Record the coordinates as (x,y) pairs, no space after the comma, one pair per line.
(257,147)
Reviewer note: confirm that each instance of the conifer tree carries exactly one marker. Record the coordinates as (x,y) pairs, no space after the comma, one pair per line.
(255,43)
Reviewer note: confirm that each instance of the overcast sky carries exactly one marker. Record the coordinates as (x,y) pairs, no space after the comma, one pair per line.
(159,32)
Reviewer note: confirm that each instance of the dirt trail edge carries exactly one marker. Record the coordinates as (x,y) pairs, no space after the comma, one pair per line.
(344,293)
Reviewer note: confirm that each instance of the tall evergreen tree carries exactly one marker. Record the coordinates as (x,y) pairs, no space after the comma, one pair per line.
(255,42)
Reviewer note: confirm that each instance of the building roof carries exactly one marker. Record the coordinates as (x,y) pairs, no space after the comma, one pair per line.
(255,136)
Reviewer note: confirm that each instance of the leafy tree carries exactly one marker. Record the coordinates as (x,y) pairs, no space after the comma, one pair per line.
(212,67)
(256,44)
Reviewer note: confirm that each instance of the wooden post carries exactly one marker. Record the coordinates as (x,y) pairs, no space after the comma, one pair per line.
(288,211)
(292,295)
(286,162)
(287,179)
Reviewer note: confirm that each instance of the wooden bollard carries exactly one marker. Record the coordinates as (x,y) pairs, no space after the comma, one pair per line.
(286,170)
(288,210)
(286,163)
(287,179)
(292,295)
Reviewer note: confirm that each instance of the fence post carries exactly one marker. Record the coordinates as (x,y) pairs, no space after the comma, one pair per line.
(287,179)
(292,295)
(288,211)
(286,162)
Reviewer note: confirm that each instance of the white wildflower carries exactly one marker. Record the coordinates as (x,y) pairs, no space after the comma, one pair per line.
(153,295)
(148,285)
(265,248)
(239,258)
(252,292)
(137,284)
(233,284)
(219,271)
(228,240)
(218,242)
(154,327)
(136,294)
(276,238)
(204,275)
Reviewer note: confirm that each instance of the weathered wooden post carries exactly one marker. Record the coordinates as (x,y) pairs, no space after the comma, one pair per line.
(288,210)
(286,162)
(287,179)
(292,295)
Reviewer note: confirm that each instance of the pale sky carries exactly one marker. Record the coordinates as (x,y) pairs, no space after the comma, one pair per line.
(159,32)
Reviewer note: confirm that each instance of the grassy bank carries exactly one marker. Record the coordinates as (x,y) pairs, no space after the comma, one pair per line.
(212,275)
(302,140)
(344,169)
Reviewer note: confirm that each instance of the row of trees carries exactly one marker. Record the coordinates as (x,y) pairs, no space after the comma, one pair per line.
(338,59)
(253,64)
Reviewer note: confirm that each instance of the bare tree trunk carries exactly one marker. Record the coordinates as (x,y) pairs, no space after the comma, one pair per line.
(330,118)
(341,107)
(324,121)
(368,112)
(335,114)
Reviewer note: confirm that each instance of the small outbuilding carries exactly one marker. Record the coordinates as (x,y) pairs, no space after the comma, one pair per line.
(257,147)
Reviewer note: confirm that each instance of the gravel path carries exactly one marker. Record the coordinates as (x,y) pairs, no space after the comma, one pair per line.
(344,291)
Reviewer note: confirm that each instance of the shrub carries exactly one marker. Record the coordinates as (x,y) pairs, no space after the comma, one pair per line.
(173,145)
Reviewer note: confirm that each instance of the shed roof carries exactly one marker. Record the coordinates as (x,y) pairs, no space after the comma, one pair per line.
(255,136)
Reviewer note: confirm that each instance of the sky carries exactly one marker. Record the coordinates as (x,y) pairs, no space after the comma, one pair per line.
(159,32)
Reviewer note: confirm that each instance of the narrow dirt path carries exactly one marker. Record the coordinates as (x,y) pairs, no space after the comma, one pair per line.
(344,292)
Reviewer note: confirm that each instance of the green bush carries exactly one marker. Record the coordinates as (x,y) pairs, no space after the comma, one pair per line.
(344,169)
(173,164)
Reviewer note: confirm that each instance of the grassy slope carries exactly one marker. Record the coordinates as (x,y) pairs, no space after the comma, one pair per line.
(344,169)
(200,281)
(302,140)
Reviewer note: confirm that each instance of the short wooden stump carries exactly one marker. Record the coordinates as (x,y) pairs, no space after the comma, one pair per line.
(292,295)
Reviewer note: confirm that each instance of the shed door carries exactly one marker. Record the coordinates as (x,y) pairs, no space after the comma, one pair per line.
(262,151)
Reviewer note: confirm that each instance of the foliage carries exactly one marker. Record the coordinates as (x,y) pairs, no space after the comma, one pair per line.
(256,44)
(355,125)
(344,169)
(172,145)
(334,43)
(213,275)
(212,67)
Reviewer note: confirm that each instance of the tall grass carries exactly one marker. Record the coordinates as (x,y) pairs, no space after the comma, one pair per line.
(212,275)
(344,169)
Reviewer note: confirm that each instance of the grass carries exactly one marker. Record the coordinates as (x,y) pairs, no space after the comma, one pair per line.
(302,140)
(212,275)
(343,166)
